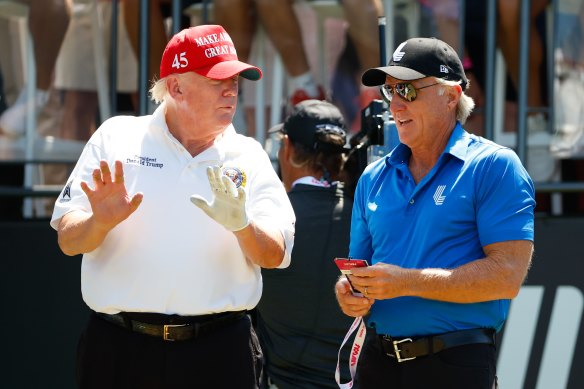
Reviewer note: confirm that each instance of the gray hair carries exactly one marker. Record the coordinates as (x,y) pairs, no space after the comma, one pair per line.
(158,91)
(465,104)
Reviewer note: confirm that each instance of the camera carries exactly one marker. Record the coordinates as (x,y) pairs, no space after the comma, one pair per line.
(376,138)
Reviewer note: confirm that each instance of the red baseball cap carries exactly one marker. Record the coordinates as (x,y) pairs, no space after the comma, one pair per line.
(206,50)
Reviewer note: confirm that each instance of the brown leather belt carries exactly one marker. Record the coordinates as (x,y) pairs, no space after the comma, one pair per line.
(193,327)
(407,349)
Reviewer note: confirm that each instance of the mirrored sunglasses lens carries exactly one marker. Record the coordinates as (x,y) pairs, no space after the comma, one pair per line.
(406,91)
(387,92)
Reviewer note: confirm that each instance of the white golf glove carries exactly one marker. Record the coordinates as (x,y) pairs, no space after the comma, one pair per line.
(228,205)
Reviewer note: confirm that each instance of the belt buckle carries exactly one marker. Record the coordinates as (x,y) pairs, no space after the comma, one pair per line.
(398,351)
(166,334)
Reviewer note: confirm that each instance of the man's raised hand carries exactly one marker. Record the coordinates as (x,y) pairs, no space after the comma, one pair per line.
(110,202)
(228,205)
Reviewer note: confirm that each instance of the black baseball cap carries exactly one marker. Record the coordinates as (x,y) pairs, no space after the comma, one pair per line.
(311,118)
(418,58)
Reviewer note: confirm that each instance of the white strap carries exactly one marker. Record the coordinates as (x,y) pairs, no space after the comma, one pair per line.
(355,351)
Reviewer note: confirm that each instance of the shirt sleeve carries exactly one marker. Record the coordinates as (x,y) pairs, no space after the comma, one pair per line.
(505,199)
(268,203)
(360,246)
(72,196)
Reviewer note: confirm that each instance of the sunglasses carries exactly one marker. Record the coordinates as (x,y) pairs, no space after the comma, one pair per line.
(405,90)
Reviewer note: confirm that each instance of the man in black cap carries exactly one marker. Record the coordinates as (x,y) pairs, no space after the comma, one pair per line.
(446,222)
(299,324)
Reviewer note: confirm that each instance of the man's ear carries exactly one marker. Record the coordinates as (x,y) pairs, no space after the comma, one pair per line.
(173,87)
(453,94)
(288,147)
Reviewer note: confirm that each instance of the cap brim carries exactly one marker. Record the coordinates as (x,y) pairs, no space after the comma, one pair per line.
(277,128)
(227,69)
(376,76)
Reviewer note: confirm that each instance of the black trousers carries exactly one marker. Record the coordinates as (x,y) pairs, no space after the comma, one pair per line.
(112,357)
(464,367)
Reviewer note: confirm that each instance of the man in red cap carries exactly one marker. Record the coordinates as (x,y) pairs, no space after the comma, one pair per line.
(169,282)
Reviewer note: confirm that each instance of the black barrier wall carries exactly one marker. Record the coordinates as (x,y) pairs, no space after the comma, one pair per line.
(543,340)
(42,310)
(43,313)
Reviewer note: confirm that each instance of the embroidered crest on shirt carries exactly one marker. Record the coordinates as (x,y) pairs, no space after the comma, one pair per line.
(438,198)
(236,175)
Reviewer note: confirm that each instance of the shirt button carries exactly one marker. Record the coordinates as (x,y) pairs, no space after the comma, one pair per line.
(411,201)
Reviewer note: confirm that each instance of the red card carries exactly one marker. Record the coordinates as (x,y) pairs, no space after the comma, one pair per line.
(346,265)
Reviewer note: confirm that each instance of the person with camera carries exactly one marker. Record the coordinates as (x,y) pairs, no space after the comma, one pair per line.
(446,222)
(299,324)
(169,283)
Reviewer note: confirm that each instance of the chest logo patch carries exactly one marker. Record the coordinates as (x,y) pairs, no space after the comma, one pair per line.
(236,175)
(438,197)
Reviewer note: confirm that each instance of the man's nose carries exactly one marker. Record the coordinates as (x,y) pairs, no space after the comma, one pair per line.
(231,87)
(397,104)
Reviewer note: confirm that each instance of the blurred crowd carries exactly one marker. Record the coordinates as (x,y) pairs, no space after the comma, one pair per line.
(71,49)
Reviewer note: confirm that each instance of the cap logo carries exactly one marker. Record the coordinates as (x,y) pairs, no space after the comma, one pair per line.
(330,129)
(212,38)
(217,50)
(443,69)
(180,62)
(398,54)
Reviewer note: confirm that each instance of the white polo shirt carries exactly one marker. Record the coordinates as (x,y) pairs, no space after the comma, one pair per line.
(169,256)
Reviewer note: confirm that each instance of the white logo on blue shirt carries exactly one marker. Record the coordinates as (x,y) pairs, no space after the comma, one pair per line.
(438,198)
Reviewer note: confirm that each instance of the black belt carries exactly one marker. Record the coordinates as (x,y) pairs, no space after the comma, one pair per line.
(192,327)
(407,349)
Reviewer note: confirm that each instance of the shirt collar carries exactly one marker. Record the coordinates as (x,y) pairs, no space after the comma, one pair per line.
(217,151)
(310,180)
(457,146)
(458,143)
(158,118)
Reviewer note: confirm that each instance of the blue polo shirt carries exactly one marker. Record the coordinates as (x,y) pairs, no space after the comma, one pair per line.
(478,193)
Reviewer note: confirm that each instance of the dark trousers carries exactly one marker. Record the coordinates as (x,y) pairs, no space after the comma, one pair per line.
(464,367)
(112,357)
